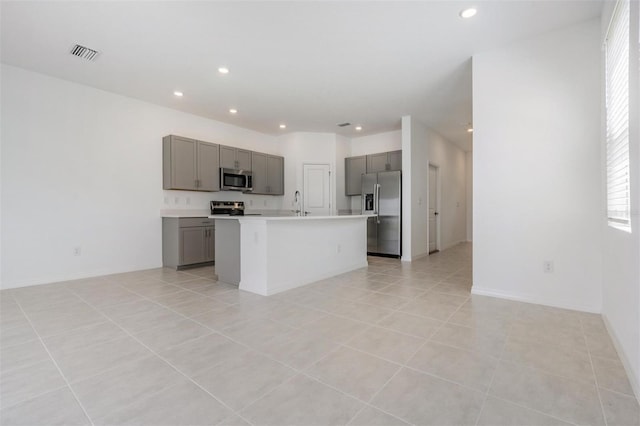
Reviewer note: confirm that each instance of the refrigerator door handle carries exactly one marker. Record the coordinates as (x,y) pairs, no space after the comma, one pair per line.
(377,202)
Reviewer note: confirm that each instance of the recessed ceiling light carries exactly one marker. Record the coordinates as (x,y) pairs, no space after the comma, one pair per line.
(358,128)
(223,70)
(470,130)
(178,94)
(233,111)
(468,13)
(283,126)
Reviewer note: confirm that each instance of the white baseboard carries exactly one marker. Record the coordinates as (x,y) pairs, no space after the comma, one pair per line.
(480,291)
(77,276)
(291,285)
(412,258)
(448,246)
(633,379)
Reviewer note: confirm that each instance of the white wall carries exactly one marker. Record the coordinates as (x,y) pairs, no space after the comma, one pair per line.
(82,167)
(536,169)
(373,144)
(380,142)
(621,254)
(343,150)
(307,148)
(452,190)
(415,189)
(469,179)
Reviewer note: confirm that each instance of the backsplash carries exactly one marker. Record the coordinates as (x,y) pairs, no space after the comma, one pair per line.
(191,200)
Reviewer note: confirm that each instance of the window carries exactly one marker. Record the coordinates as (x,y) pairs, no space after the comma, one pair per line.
(617,106)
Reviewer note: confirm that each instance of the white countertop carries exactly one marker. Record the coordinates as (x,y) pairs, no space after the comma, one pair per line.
(263,217)
(184,213)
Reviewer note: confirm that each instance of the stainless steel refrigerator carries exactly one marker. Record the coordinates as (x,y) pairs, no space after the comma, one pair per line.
(381,199)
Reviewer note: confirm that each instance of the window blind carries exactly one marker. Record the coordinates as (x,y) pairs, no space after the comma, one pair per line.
(617,107)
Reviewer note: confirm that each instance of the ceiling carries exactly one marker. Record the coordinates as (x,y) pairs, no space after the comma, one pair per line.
(310,65)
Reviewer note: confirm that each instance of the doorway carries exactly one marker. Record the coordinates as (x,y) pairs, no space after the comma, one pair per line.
(434,209)
(316,180)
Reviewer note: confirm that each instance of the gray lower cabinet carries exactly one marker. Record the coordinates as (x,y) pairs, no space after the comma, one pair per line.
(268,174)
(187,241)
(235,158)
(189,164)
(354,168)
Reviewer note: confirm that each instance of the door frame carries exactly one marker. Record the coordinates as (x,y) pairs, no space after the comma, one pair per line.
(330,185)
(437,207)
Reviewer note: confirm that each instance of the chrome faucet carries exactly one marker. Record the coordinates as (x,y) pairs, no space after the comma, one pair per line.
(297,199)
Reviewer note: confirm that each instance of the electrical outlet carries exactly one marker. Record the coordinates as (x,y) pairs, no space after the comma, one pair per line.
(547,266)
(265,203)
(176,200)
(77,251)
(251,203)
(188,200)
(339,248)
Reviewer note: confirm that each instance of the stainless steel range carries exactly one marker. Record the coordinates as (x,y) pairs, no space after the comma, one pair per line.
(231,208)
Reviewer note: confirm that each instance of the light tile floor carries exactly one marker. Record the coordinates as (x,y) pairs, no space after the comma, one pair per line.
(392,344)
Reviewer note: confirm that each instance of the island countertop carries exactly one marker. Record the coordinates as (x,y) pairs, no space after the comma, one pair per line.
(263,217)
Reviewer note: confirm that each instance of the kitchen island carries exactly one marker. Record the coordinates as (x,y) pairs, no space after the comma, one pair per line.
(267,255)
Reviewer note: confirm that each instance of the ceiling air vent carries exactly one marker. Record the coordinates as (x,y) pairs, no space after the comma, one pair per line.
(84,52)
(344,124)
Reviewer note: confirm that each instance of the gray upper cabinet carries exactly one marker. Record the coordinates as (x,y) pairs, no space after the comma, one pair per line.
(275,175)
(259,170)
(268,174)
(384,162)
(235,158)
(208,167)
(354,168)
(377,162)
(394,159)
(190,164)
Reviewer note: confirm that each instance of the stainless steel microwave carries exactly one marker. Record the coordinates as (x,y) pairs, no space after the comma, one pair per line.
(236,180)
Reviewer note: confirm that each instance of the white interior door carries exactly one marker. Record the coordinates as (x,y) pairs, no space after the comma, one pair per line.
(317,189)
(433,209)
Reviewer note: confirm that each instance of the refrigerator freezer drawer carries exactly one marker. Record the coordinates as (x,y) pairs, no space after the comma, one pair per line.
(372,235)
(389,235)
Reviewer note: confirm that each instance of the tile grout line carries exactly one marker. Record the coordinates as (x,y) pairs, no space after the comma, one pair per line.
(171,365)
(57,367)
(215,331)
(340,345)
(535,369)
(493,376)
(401,367)
(185,318)
(593,370)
